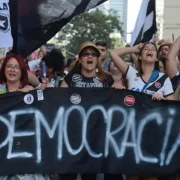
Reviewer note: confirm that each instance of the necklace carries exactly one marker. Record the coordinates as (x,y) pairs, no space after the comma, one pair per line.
(7,88)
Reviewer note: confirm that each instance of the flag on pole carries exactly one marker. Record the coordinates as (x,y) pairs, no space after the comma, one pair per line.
(34,22)
(145,27)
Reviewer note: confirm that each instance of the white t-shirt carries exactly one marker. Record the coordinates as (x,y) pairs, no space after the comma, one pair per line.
(161,84)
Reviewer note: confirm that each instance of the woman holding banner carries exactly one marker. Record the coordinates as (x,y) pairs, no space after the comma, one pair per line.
(14,77)
(147,79)
(87,73)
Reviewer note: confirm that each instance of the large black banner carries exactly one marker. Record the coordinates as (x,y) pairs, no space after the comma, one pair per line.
(88,131)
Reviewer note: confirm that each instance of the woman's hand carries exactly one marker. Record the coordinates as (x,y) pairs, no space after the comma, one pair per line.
(158,97)
(163,42)
(44,84)
(118,86)
(25,90)
(137,48)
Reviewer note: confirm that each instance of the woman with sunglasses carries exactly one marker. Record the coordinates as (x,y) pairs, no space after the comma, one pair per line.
(87,73)
(13,75)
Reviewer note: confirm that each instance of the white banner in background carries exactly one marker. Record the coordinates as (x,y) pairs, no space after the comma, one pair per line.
(5,26)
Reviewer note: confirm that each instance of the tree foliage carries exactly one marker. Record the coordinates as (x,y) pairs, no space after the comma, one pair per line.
(90,26)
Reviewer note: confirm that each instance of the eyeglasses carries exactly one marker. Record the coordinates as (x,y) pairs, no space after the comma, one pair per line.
(15,68)
(86,54)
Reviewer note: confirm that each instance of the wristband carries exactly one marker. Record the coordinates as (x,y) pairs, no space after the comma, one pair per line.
(39,86)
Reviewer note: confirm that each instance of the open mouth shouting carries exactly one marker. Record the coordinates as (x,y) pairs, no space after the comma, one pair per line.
(90,62)
(149,54)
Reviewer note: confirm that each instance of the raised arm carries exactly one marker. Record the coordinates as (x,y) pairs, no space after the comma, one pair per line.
(171,65)
(116,55)
(33,80)
(133,56)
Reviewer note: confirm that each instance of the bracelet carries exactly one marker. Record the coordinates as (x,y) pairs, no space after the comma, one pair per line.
(39,86)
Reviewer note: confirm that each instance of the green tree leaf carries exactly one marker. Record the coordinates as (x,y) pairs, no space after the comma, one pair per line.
(90,26)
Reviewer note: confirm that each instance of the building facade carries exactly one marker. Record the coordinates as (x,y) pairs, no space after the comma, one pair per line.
(171,25)
(160,18)
(121,8)
(168,23)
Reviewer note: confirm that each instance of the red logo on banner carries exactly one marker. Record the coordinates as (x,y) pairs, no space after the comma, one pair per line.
(158,85)
(129,100)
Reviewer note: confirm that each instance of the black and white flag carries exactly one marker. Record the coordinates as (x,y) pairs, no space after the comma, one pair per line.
(145,27)
(34,22)
(5,28)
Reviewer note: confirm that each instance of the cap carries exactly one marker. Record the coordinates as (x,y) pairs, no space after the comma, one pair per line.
(88,44)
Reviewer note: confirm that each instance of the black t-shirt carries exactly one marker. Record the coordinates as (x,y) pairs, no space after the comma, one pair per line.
(76,79)
(175,81)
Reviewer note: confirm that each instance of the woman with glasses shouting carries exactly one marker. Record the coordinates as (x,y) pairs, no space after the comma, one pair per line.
(13,75)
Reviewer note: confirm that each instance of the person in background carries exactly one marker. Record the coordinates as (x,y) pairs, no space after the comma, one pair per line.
(54,61)
(69,64)
(102,47)
(163,51)
(119,81)
(2,57)
(42,52)
(171,64)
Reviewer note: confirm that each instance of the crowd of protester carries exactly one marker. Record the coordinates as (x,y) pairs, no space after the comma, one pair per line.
(152,68)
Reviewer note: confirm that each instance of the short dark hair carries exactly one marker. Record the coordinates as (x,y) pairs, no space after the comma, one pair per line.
(101,43)
(70,61)
(160,47)
(55,60)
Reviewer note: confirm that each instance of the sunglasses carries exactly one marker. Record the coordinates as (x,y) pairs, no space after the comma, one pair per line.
(86,54)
